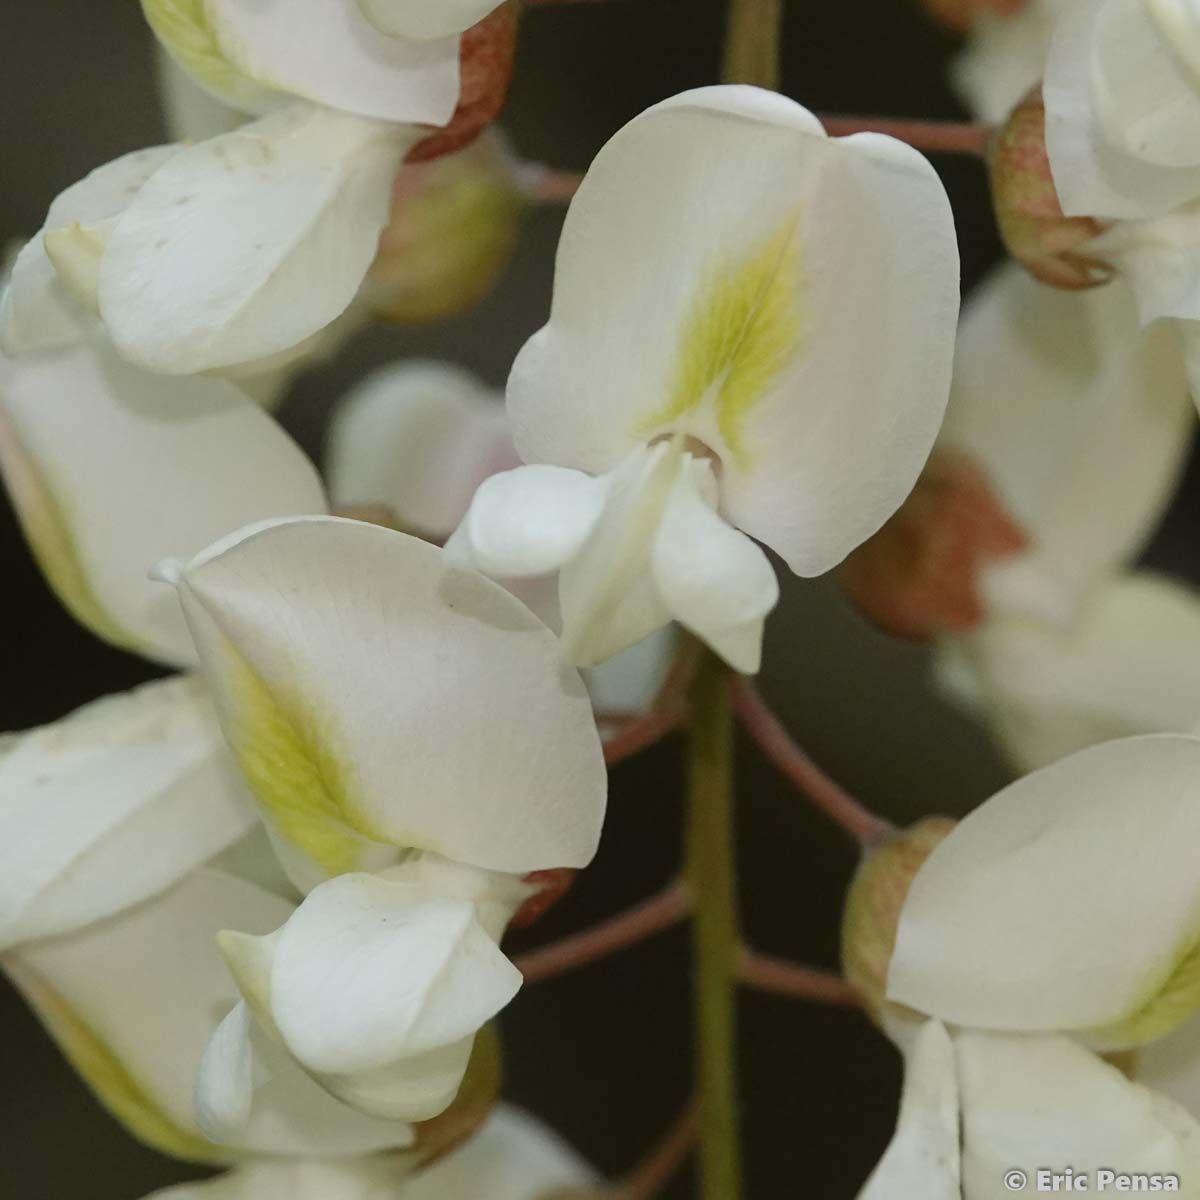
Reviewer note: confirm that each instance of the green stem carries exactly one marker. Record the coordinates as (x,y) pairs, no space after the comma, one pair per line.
(712,877)
(752,43)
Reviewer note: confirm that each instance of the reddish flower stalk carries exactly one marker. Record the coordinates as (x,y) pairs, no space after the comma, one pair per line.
(657,1169)
(789,979)
(777,744)
(651,916)
(936,137)
(639,733)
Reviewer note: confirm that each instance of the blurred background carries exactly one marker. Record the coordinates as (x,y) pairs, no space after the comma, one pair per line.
(602,1054)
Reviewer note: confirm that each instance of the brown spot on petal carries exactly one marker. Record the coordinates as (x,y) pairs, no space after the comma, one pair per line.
(919,575)
(1049,245)
(486,65)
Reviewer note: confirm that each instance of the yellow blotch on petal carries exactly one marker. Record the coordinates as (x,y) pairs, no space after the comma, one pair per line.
(107,1077)
(743,328)
(1172,1001)
(299,780)
(48,531)
(186,29)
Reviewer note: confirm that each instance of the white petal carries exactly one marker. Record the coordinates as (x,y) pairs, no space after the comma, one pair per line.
(1081,421)
(110,805)
(320,50)
(420,438)
(728,209)
(368,971)
(529,521)
(192,113)
(385,681)
(37,312)
(1160,259)
(629,681)
(714,580)
(1003,58)
(1107,76)
(225,1081)
(1126,665)
(607,594)
(923,1157)
(375,1178)
(243,246)
(1067,901)
(195,460)
(512,1157)
(133,1002)
(1047,1102)
(425,18)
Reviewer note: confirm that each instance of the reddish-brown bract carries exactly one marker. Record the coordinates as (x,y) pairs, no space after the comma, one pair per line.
(919,575)
(486,59)
(552,886)
(960,15)
(1052,247)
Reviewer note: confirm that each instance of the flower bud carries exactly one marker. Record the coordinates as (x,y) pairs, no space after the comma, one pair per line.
(919,575)
(960,15)
(452,231)
(1049,245)
(551,886)
(485,63)
(477,1096)
(873,905)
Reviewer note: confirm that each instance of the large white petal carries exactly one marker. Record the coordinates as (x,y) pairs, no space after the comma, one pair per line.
(1081,421)
(923,1157)
(1030,1102)
(425,18)
(728,272)
(1109,79)
(419,437)
(367,685)
(243,246)
(133,1001)
(110,805)
(371,970)
(37,312)
(1067,901)
(1171,1065)
(714,580)
(326,51)
(195,460)
(1128,664)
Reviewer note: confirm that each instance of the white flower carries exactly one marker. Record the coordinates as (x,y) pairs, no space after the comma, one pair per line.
(376,985)
(512,1157)
(751,331)
(392,60)
(1064,913)
(231,254)
(1082,424)
(131,1000)
(380,700)
(111,805)
(111,468)
(419,438)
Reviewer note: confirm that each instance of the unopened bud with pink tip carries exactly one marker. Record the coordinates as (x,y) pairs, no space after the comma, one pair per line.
(872,913)
(919,575)
(1049,245)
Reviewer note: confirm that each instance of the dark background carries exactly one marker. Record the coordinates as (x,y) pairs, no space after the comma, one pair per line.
(603,1053)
